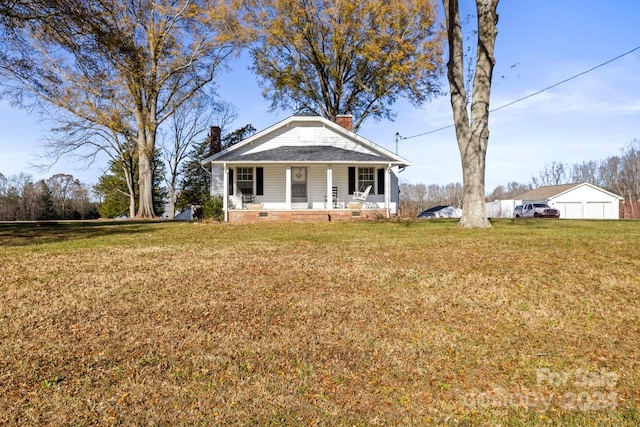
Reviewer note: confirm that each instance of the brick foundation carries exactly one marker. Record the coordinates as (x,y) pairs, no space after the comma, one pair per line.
(255,216)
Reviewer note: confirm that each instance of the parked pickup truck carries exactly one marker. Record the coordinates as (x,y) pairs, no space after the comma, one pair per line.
(539,210)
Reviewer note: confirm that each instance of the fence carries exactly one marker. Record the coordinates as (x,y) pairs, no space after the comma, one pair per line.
(629,209)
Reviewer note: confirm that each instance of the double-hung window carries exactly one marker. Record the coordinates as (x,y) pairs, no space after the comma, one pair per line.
(366,177)
(244,180)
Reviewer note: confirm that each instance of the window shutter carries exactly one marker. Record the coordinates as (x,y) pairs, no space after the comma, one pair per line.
(259,181)
(352,179)
(380,181)
(231,182)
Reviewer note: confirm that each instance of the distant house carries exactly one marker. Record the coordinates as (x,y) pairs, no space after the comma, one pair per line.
(576,201)
(305,168)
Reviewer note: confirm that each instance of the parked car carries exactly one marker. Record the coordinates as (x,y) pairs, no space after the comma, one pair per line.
(539,210)
(441,212)
(431,212)
(517,211)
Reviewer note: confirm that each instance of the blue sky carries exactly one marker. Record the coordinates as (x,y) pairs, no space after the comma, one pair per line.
(540,43)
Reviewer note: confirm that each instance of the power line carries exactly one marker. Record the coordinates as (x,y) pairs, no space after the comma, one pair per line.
(532,94)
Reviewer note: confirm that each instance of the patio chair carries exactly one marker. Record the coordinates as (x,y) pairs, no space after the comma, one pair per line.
(247,197)
(362,195)
(334,197)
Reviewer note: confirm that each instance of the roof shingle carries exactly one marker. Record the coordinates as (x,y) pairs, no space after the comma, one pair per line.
(544,193)
(317,153)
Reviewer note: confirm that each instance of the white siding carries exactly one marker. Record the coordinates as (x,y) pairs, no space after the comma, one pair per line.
(303,134)
(274,184)
(395,188)
(501,208)
(317,185)
(282,136)
(341,180)
(217,180)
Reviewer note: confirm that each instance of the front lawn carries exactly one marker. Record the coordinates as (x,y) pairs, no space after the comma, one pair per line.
(364,323)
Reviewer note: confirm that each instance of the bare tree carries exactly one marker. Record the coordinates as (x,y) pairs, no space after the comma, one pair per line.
(630,175)
(414,198)
(224,114)
(453,194)
(510,191)
(585,172)
(554,173)
(96,60)
(22,198)
(8,197)
(69,197)
(188,123)
(61,188)
(609,171)
(472,127)
(85,140)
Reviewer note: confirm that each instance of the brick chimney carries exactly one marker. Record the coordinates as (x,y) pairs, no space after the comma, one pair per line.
(215,145)
(345,120)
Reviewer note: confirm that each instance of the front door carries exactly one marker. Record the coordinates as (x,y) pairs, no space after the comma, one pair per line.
(299,185)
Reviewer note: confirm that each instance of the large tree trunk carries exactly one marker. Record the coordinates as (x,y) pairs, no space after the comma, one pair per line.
(474,214)
(145,182)
(146,148)
(472,133)
(172,201)
(129,178)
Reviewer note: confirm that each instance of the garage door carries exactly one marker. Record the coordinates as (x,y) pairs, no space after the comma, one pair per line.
(598,210)
(569,210)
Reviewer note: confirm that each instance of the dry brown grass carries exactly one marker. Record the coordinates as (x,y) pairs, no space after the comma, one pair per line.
(377,323)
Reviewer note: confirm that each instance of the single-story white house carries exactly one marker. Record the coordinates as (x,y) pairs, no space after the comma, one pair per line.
(576,201)
(305,168)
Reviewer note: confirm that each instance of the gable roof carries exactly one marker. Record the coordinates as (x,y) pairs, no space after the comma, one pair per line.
(303,151)
(553,191)
(546,192)
(288,153)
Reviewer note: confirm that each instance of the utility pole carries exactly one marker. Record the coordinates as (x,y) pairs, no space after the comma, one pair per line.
(397,138)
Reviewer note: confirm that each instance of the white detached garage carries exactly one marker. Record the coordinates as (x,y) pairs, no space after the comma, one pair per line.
(576,201)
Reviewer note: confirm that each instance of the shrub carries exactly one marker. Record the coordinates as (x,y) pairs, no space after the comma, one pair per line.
(212,208)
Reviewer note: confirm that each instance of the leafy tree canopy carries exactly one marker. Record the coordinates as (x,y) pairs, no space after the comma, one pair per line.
(330,57)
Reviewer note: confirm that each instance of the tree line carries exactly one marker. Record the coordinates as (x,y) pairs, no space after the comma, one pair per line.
(59,197)
(414,198)
(619,174)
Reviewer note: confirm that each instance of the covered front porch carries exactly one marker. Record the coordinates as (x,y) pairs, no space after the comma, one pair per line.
(305,167)
(305,191)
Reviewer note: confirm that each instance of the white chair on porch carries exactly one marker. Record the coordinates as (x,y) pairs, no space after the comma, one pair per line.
(362,195)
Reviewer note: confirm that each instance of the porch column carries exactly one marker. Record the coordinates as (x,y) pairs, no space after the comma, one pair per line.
(287,190)
(225,192)
(329,187)
(387,191)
